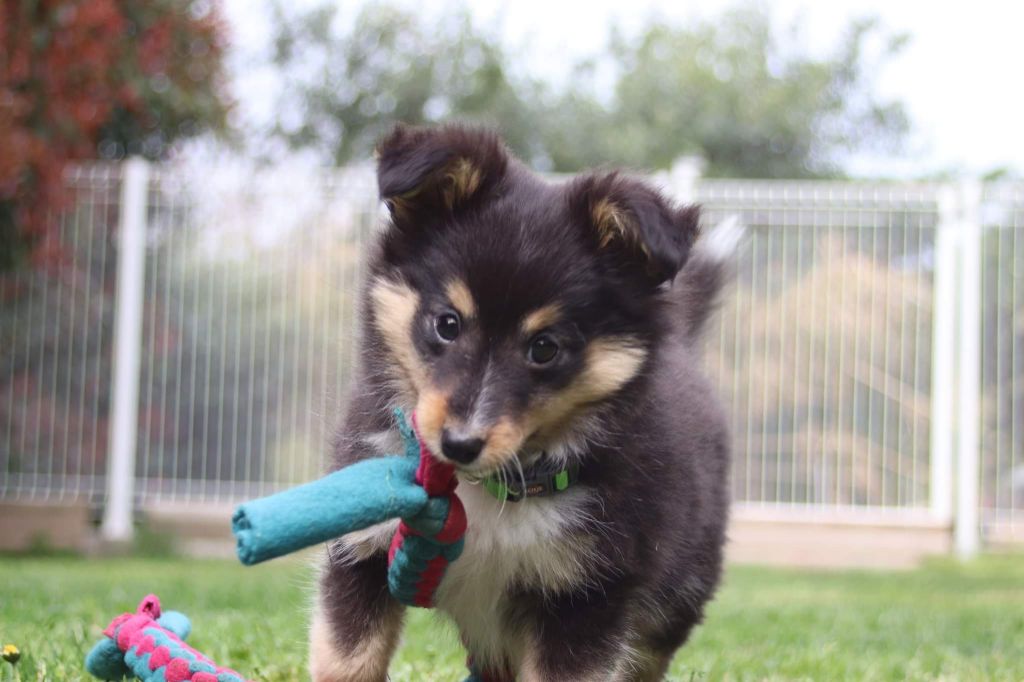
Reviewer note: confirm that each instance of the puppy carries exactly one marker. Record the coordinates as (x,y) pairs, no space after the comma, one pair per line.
(545,335)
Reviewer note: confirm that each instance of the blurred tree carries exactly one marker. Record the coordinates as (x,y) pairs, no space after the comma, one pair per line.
(82,79)
(343,91)
(732,90)
(86,79)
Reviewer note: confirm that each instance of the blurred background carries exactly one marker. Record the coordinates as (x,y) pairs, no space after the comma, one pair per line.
(186,188)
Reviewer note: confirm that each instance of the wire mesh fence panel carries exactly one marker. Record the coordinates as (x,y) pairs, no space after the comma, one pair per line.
(823,350)
(1002,360)
(248,328)
(56,323)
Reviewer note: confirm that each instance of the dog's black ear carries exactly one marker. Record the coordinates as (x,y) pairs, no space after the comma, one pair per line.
(637,227)
(421,170)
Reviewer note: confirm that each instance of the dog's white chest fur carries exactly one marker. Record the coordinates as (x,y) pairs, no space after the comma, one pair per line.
(529,544)
(516,544)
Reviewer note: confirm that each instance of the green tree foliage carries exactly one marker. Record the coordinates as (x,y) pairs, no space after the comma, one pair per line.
(390,66)
(733,90)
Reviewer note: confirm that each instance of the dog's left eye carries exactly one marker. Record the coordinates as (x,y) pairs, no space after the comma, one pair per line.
(447,326)
(543,350)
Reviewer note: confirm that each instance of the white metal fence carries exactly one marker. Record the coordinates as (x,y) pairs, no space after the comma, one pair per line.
(824,348)
(1001,380)
(842,348)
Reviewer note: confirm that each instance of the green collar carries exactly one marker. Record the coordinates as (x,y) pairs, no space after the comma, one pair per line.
(538,483)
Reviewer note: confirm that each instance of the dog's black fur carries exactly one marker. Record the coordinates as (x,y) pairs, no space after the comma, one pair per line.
(610,579)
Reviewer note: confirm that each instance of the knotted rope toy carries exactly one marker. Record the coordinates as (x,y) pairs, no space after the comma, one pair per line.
(150,645)
(415,487)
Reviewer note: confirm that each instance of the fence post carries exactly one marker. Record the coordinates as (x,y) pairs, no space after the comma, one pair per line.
(944,357)
(967,534)
(131,263)
(686,171)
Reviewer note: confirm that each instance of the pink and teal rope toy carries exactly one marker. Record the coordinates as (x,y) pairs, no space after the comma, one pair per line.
(150,645)
(415,487)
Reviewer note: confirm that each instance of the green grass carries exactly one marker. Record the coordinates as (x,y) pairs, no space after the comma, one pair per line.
(943,622)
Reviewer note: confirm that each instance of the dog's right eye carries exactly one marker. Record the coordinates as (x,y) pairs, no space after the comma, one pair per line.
(543,350)
(447,326)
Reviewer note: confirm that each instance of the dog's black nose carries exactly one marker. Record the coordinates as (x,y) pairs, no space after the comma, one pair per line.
(460,449)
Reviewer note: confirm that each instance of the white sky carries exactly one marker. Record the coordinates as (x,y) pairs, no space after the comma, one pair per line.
(961,76)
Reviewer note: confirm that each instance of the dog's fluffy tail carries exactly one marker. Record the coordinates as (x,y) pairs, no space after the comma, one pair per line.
(698,286)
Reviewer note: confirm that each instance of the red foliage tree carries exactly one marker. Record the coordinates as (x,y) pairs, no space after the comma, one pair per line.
(87,79)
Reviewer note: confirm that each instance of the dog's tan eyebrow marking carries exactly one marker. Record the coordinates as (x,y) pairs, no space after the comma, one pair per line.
(461,298)
(541,318)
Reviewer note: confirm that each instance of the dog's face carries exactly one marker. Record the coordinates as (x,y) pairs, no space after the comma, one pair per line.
(504,307)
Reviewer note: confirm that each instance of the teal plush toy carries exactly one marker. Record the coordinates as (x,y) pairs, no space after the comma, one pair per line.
(415,487)
(353,498)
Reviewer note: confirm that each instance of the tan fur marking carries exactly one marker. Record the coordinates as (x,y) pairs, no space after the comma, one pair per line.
(461,298)
(431,414)
(368,662)
(614,224)
(402,204)
(611,362)
(609,221)
(541,318)
(609,365)
(503,442)
(456,182)
(394,308)
(399,207)
(463,179)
